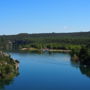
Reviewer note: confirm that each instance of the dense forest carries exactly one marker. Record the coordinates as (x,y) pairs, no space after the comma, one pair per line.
(45,40)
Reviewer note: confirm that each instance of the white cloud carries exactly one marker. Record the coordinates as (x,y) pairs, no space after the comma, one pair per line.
(65,27)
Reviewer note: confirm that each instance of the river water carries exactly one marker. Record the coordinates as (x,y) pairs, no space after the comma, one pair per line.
(55,71)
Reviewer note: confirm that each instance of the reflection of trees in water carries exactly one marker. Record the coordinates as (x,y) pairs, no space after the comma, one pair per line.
(8,79)
(84,69)
(74,63)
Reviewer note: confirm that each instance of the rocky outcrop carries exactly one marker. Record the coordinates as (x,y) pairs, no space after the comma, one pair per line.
(8,66)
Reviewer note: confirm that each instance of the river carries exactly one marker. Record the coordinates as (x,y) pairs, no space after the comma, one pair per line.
(55,71)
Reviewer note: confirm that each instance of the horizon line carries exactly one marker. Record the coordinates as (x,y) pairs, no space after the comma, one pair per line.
(43,33)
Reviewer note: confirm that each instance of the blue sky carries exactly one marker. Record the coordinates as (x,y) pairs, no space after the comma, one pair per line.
(44,16)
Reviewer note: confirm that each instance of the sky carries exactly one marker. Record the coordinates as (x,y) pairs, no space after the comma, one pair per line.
(44,16)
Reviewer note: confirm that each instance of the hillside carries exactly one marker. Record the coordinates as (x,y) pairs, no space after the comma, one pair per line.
(8,66)
(8,69)
(55,40)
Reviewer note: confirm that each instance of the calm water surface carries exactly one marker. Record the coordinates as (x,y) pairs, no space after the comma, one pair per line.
(48,72)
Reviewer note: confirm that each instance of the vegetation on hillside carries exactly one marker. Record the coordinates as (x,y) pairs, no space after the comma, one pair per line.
(82,55)
(8,67)
(45,40)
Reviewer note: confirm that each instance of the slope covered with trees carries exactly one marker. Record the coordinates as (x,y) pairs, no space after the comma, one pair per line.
(8,69)
(8,66)
(45,40)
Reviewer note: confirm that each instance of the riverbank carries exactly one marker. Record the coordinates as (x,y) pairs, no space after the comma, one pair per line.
(45,50)
(8,66)
(82,56)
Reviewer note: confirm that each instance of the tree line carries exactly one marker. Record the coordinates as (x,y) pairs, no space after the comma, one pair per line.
(46,40)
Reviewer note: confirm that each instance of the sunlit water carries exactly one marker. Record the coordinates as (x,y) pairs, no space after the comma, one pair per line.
(48,72)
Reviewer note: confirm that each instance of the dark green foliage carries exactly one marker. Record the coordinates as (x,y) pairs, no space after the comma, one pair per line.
(7,65)
(46,40)
(8,69)
(83,55)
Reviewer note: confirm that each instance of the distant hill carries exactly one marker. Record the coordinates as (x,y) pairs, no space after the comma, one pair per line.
(26,35)
(25,39)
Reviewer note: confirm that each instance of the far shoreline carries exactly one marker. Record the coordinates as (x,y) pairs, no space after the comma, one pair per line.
(45,50)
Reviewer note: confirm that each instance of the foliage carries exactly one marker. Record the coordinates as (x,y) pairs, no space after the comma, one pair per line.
(7,65)
(46,40)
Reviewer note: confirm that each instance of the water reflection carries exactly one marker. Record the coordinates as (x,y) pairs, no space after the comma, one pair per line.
(84,69)
(8,79)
